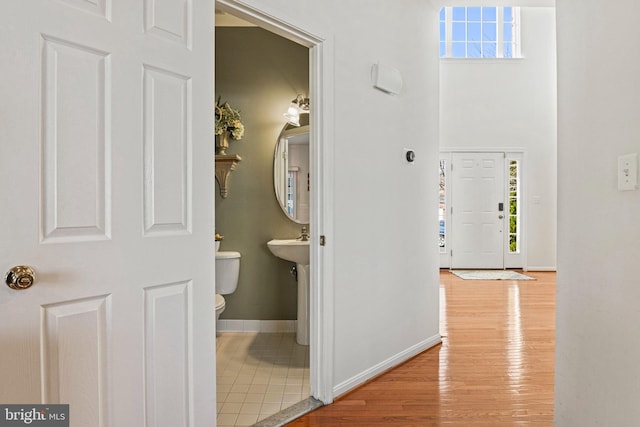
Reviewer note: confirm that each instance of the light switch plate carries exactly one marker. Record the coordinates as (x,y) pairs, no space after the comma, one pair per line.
(628,172)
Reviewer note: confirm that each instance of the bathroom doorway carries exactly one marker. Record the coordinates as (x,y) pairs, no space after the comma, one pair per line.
(266,289)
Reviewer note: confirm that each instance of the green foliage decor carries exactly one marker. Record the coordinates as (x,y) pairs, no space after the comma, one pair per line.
(228,120)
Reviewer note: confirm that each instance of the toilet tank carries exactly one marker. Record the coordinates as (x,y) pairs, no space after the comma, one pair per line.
(227,271)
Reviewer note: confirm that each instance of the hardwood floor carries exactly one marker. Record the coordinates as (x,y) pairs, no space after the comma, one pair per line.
(494,368)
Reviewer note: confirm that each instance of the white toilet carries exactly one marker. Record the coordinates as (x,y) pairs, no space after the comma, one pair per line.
(227,271)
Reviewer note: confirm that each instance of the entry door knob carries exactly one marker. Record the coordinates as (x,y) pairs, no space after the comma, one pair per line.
(20,277)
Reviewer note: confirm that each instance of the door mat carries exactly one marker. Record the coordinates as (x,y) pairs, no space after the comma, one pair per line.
(490,275)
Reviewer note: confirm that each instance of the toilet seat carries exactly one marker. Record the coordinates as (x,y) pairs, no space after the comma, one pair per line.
(219,302)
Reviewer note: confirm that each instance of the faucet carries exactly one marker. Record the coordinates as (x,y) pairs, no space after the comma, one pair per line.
(305,235)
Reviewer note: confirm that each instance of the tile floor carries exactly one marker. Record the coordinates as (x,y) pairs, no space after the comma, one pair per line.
(259,374)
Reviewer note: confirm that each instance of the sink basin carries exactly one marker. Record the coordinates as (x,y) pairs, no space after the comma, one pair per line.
(291,250)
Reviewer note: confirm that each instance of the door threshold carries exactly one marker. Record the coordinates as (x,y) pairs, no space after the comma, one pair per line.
(291,413)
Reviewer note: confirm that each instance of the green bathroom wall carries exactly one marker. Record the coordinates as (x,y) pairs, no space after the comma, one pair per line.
(258,73)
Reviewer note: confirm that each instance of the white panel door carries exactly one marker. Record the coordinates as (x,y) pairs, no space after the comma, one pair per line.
(107,187)
(477,189)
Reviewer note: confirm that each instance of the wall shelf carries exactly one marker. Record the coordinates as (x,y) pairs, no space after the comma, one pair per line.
(225,164)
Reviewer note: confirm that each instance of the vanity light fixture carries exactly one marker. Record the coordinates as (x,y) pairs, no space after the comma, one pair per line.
(298,106)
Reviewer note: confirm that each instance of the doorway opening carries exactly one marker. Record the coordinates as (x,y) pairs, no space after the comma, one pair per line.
(318,385)
(506,106)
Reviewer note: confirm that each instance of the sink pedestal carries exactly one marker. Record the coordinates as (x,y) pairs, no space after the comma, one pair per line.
(297,251)
(302,324)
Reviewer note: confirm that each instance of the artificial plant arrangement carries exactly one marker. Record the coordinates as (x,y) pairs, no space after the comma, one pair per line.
(228,124)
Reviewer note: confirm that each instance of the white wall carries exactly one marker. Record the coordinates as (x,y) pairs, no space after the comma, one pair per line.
(385,265)
(598,296)
(512,104)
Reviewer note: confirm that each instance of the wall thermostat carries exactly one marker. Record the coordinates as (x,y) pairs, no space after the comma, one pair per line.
(409,155)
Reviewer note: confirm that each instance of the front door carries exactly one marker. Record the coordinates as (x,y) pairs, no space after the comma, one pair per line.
(106,125)
(478,209)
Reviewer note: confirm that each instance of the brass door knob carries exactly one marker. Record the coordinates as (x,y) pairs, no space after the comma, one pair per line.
(20,277)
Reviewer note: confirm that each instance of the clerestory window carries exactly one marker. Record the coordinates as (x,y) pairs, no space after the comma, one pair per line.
(480,32)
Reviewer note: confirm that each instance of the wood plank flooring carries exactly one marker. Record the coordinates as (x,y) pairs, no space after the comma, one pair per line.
(494,368)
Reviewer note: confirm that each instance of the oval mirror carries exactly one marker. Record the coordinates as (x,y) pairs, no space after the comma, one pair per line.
(291,172)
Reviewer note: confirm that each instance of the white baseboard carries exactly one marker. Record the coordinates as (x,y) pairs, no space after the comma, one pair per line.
(385,365)
(536,268)
(269,326)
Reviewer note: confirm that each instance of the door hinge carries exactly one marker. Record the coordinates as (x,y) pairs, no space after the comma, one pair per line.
(323,240)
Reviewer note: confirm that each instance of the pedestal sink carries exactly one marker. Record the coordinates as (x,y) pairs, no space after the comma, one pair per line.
(297,251)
